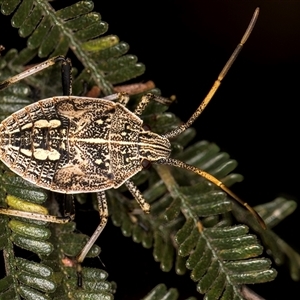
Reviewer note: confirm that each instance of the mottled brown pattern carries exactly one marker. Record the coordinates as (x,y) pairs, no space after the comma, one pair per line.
(74,144)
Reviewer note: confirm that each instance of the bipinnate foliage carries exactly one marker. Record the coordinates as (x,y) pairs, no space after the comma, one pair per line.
(53,244)
(76,28)
(160,292)
(190,226)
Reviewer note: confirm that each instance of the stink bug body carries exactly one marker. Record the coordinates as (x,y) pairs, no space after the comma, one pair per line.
(70,144)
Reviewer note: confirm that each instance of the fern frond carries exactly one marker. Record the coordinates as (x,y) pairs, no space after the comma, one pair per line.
(55,274)
(15,96)
(160,292)
(67,246)
(212,246)
(273,213)
(190,225)
(223,258)
(78,28)
(95,286)
(25,278)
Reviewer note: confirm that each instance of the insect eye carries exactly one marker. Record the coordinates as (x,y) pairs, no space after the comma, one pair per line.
(146,163)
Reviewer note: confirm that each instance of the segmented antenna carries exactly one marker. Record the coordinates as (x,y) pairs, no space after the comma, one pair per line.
(217,83)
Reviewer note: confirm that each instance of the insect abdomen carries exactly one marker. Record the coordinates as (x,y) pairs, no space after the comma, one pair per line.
(32,142)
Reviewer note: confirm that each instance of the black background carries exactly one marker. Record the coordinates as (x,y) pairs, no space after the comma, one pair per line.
(254,115)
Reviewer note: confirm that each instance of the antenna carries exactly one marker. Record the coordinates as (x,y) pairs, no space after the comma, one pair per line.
(217,83)
(202,106)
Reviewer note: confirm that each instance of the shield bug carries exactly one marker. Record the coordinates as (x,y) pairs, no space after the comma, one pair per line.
(70,144)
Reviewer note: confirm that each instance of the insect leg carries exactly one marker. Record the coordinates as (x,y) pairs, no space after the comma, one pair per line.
(35,69)
(138,196)
(35,216)
(103,211)
(145,101)
(66,77)
(121,98)
(68,205)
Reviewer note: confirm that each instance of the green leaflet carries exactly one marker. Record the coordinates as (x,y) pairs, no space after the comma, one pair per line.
(33,280)
(223,257)
(78,28)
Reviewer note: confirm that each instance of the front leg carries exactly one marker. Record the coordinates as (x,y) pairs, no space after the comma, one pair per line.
(138,196)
